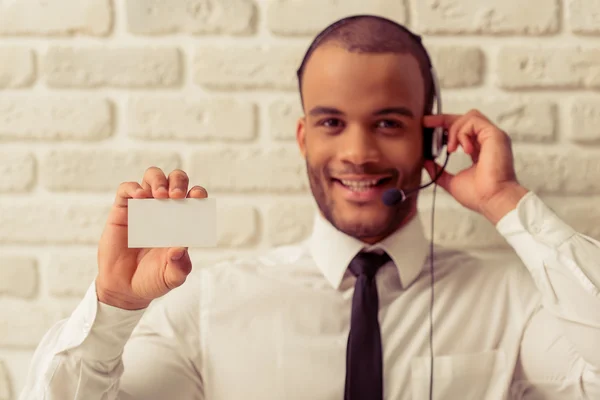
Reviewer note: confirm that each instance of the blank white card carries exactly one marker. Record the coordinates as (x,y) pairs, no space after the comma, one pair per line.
(172,223)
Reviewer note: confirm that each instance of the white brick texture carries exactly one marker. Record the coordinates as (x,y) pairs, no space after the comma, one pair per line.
(457,66)
(152,17)
(584,16)
(515,17)
(549,67)
(16,67)
(72,67)
(247,67)
(56,18)
(308,17)
(52,118)
(94,92)
(289,222)
(168,118)
(280,170)
(585,121)
(101,170)
(18,276)
(17,171)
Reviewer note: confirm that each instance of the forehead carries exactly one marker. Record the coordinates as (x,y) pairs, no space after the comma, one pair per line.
(336,76)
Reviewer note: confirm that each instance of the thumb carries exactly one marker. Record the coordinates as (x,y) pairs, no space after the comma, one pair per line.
(445,179)
(179,265)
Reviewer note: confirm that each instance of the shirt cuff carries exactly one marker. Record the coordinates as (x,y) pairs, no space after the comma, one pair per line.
(533,216)
(98,331)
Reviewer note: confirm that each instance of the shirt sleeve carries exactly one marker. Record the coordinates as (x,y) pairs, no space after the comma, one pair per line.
(560,351)
(103,352)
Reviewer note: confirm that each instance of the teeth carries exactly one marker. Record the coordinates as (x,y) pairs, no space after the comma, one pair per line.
(359,185)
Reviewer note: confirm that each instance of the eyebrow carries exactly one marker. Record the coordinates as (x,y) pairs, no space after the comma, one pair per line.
(321,110)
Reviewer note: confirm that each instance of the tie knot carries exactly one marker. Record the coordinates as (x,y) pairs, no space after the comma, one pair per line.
(368,263)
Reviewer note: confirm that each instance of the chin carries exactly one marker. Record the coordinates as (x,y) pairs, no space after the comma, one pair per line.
(362,220)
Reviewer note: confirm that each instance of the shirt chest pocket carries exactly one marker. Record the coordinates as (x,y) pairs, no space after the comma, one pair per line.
(476,376)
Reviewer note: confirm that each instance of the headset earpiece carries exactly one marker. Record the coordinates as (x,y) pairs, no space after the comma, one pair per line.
(428,144)
(434,139)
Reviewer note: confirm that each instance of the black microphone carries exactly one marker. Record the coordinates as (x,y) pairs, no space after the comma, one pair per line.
(393,196)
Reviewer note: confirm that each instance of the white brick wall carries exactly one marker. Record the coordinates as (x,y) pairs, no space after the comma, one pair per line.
(94,91)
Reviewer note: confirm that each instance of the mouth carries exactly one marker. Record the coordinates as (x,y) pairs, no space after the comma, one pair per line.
(363,189)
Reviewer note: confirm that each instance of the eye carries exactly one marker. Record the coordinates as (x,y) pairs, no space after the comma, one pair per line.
(331,123)
(390,124)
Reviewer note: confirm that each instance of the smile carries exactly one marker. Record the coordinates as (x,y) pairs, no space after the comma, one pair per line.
(362,185)
(362,190)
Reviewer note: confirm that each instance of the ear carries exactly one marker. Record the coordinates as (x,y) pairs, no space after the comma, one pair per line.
(301,135)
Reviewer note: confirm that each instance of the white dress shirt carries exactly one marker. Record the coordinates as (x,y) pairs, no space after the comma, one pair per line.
(275,327)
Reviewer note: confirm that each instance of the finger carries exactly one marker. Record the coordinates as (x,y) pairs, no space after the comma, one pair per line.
(178,267)
(197,192)
(178,184)
(129,190)
(470,137)
(155,181)
(440,120)
(455,133)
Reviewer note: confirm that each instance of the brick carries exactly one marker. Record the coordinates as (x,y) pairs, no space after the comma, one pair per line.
(548,68)
(585,121)
(581,214)
(536,17)
(124,67)
(237,225)
(283,117)
(553,172)
(308,17)
(184,119)
(457,66)
(525,120)
(18,276)
(458,227)
(55,118)
(24,323)
(250,170)
(582,173)
(247,67)
(50,18)
(100,170)
(17,67)
(52,221)
(5,383)
(70,275)
(235,17)
(289,222)
(584,16)
(17,171)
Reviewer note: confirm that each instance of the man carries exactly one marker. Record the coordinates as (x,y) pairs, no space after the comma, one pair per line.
(316,320)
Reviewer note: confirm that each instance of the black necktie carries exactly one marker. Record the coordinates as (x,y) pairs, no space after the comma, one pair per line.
(364,360)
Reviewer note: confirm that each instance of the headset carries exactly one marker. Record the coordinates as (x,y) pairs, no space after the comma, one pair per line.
(434,140)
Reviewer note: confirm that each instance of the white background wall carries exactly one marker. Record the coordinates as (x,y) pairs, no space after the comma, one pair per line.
(92,92)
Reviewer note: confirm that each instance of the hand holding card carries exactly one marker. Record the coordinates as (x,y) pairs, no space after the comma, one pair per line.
(131,277)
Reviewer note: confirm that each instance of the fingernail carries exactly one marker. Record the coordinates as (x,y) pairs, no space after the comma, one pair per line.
(177,255)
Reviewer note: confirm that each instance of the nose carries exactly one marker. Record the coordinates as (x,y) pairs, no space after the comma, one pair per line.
(359,146)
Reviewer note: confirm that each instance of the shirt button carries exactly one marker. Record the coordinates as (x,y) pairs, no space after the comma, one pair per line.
(536,229)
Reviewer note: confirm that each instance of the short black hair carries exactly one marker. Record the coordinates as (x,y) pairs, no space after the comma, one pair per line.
(374,34)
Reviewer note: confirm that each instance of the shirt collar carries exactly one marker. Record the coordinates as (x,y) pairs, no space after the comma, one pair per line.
(333,250)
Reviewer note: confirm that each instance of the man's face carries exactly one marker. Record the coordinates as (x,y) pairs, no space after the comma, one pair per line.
(362,135)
